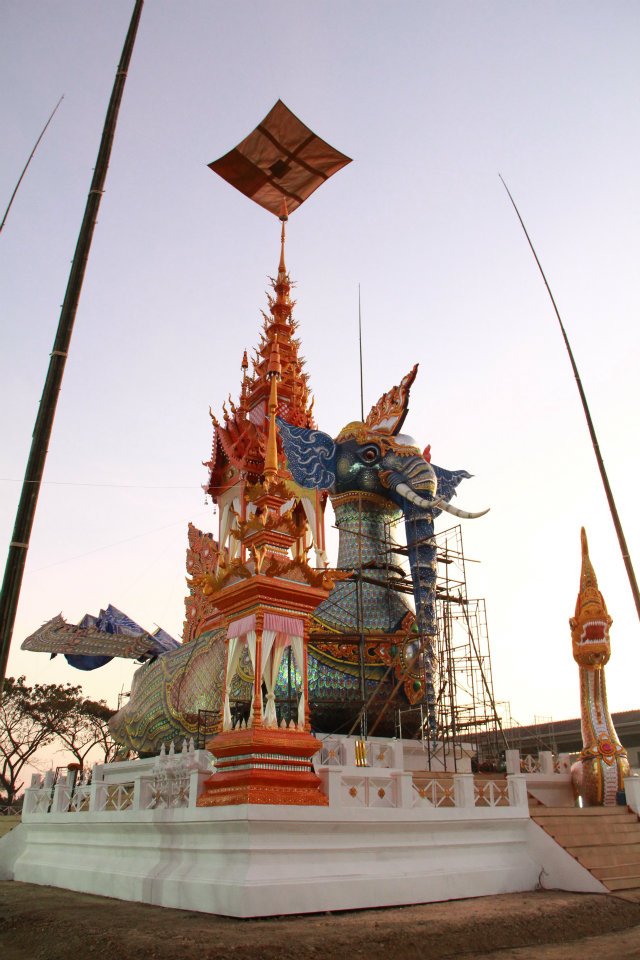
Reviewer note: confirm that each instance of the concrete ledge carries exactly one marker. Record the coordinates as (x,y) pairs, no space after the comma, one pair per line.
(262,860)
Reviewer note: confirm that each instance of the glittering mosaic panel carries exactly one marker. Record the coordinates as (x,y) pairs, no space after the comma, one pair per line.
(167,694)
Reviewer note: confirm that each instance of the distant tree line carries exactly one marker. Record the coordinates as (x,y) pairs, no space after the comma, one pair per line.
(33,717)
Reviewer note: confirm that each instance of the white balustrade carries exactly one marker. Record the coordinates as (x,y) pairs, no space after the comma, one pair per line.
(37,800)
(464,790)
(434,793)
(61,798)
(530,764)
(546,762)
(512,761)
(491,793)
(517,790)
(173,780)
(80,800)
(332,753)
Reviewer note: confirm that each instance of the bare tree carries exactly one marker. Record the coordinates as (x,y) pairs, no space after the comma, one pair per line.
(30,718)
(84,728)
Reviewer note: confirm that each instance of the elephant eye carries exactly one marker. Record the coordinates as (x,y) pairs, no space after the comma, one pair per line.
(369,454)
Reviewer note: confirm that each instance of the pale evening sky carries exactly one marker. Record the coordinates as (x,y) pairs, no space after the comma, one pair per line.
(431,100)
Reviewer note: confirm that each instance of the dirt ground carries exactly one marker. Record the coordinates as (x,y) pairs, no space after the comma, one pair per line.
(44,923)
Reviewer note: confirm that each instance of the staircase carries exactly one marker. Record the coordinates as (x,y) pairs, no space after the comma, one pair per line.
(605,840)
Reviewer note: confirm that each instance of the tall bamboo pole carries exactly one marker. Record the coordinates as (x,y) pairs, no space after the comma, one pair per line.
(633,583)
(19,545)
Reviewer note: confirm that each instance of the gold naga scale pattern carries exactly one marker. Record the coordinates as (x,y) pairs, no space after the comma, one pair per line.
(599,772)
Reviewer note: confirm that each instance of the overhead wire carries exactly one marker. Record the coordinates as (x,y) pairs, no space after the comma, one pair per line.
(117,543)
(123,486)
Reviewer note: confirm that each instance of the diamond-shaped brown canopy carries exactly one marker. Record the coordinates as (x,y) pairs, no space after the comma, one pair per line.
(282,160)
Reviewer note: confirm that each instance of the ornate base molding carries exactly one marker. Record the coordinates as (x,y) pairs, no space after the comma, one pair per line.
(262,765)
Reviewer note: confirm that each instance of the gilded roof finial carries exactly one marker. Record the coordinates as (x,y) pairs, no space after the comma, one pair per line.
(274,372)
(281,266)
(281,306)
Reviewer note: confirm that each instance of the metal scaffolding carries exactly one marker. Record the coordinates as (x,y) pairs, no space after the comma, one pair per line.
(467,719)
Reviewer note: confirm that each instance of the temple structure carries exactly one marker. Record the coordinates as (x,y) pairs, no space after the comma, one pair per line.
(371,642)
(284,658)
(367,653)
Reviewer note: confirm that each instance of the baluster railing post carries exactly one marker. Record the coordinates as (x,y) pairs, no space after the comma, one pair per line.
(61,797)
(545,758)
(464,790)
(512,759)
(97,796)
(517,787)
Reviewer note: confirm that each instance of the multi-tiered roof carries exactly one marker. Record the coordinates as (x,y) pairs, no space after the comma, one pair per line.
(239,441)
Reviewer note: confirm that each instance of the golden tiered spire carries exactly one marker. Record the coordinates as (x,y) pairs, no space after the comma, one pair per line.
(241,439)
(274,373)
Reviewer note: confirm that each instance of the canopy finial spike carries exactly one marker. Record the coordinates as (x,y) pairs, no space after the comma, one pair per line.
(283,235)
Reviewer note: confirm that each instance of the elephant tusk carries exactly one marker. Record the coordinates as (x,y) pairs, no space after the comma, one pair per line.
(405,491)
(463,514)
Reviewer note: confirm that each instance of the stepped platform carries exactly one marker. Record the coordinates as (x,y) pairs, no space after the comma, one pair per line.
(604,840)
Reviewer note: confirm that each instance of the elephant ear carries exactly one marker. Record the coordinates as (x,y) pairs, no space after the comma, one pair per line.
(311,455)
(389,413)
(448,480)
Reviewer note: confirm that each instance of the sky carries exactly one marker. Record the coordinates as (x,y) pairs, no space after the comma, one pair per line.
(432,100)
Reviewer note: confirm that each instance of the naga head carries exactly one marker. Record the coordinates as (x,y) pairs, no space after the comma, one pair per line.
(590,625)
(372,458)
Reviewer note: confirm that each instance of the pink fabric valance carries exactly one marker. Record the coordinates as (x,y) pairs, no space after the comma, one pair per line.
(239,628)
(291,626)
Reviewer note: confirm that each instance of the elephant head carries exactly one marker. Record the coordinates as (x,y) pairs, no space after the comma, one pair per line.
(373,462)
(374,457)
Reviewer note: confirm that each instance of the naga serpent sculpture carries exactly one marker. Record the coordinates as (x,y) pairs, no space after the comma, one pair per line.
(600,771)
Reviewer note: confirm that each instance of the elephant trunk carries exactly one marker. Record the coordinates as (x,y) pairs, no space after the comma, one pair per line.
(422,559)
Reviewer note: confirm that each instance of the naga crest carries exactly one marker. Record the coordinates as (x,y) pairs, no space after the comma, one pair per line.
(591,623)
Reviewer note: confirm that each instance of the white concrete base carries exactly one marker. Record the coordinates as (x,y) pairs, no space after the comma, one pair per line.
(260,860)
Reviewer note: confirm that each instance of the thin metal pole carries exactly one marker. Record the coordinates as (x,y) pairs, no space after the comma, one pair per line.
(633,583)
(363,681)
(26,166)
(360,346)
(19,545)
